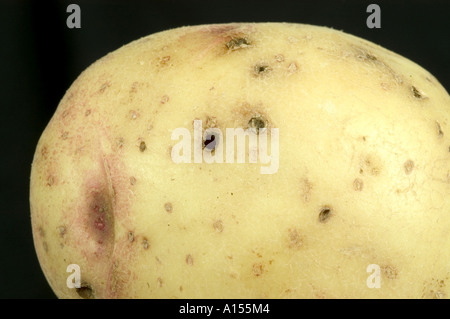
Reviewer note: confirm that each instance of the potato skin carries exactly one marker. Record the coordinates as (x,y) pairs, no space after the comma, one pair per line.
(363,176)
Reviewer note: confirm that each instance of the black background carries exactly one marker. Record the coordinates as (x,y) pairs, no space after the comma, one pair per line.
(40,58)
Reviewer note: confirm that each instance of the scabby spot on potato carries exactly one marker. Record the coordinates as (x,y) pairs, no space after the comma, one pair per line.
(164,60)
(218,226)
(258,269)
(419,95)
(133,180)
(434,288)
(408,166)
(142,146)
(371,59)
(104,86)
(439,131)
(295,241)
(50,180)
(85,291)
(189,260)
(130,236)
(279,57)
(64,135)
(210,142)
(164,99)
(358,184)
(257,123)
(292,68)
(45,246)
(159,281)
(62,230)
(100,215)
(145,244)
(325,213)
(389,271)
(168,207)
(370,164)
(237,43)
(261,69)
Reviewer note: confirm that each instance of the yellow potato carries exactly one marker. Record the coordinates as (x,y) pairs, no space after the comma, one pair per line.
(352,201)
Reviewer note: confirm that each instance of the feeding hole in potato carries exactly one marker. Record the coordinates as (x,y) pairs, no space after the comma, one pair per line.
(261,69)
(142,146)
(417,94)
(440,133)
(209,142)
(325,213)
(256,123)
(85,291)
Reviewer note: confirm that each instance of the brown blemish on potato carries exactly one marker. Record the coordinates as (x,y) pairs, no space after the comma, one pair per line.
(45,246)
(142,146)
(245,112)
(87,112)
(209,142)
(279,58)
(44,152)
(261,69)
(325,213)
(258,269)
(408,166)
(434,289)
(389,271)
(189,260)
(371,59)
(292,68)
(145,244)
(294,239)
(62,230)
(218,226)
(305,189)
(164,60)
(164,99)
(64,135)
(104,86)
(440,133)
(237,43)
(257,123)
(132,180)
(85,291)
(417,93)
(130,236)
(41,232)
(50,180)
(358,184)
(168,207)
(159,281)
(370,164)
(134,86)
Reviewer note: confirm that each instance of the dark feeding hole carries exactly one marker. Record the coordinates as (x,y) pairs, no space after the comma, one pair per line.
(142,146)
(210,142)
(256,123)
(325,214)
(260,69)
(85,292)
(416,93)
